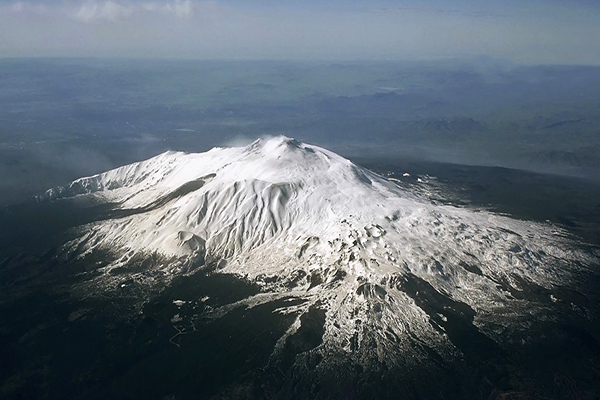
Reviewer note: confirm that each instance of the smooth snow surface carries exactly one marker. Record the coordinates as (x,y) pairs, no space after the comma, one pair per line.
(304,222)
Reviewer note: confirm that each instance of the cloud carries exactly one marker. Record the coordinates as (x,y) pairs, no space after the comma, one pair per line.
(93,11)
(183,9)
(22,7)
(102,11)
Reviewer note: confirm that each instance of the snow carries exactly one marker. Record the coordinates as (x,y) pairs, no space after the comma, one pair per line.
(284,209)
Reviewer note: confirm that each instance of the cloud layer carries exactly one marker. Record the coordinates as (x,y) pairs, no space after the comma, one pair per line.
(531,32)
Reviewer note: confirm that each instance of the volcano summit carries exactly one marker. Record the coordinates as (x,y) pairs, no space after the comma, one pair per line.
(376,282)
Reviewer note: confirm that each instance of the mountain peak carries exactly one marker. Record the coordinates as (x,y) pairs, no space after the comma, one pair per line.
(277,142)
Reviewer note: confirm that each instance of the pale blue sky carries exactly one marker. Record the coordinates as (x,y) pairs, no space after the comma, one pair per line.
(531,32)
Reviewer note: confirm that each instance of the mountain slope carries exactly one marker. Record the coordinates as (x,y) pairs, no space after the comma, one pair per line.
(386,272)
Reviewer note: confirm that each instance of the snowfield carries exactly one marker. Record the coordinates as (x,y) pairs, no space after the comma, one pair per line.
(303,222)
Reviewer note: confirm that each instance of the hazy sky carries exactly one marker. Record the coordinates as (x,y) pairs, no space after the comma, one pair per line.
(548,31)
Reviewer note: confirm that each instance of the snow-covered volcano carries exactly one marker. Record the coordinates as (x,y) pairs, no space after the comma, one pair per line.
(305,223)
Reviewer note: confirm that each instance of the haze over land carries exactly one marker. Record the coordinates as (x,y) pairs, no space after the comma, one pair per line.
(504,83)
(61,119)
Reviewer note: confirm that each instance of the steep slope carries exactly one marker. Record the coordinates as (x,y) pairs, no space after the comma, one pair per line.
(390,273)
